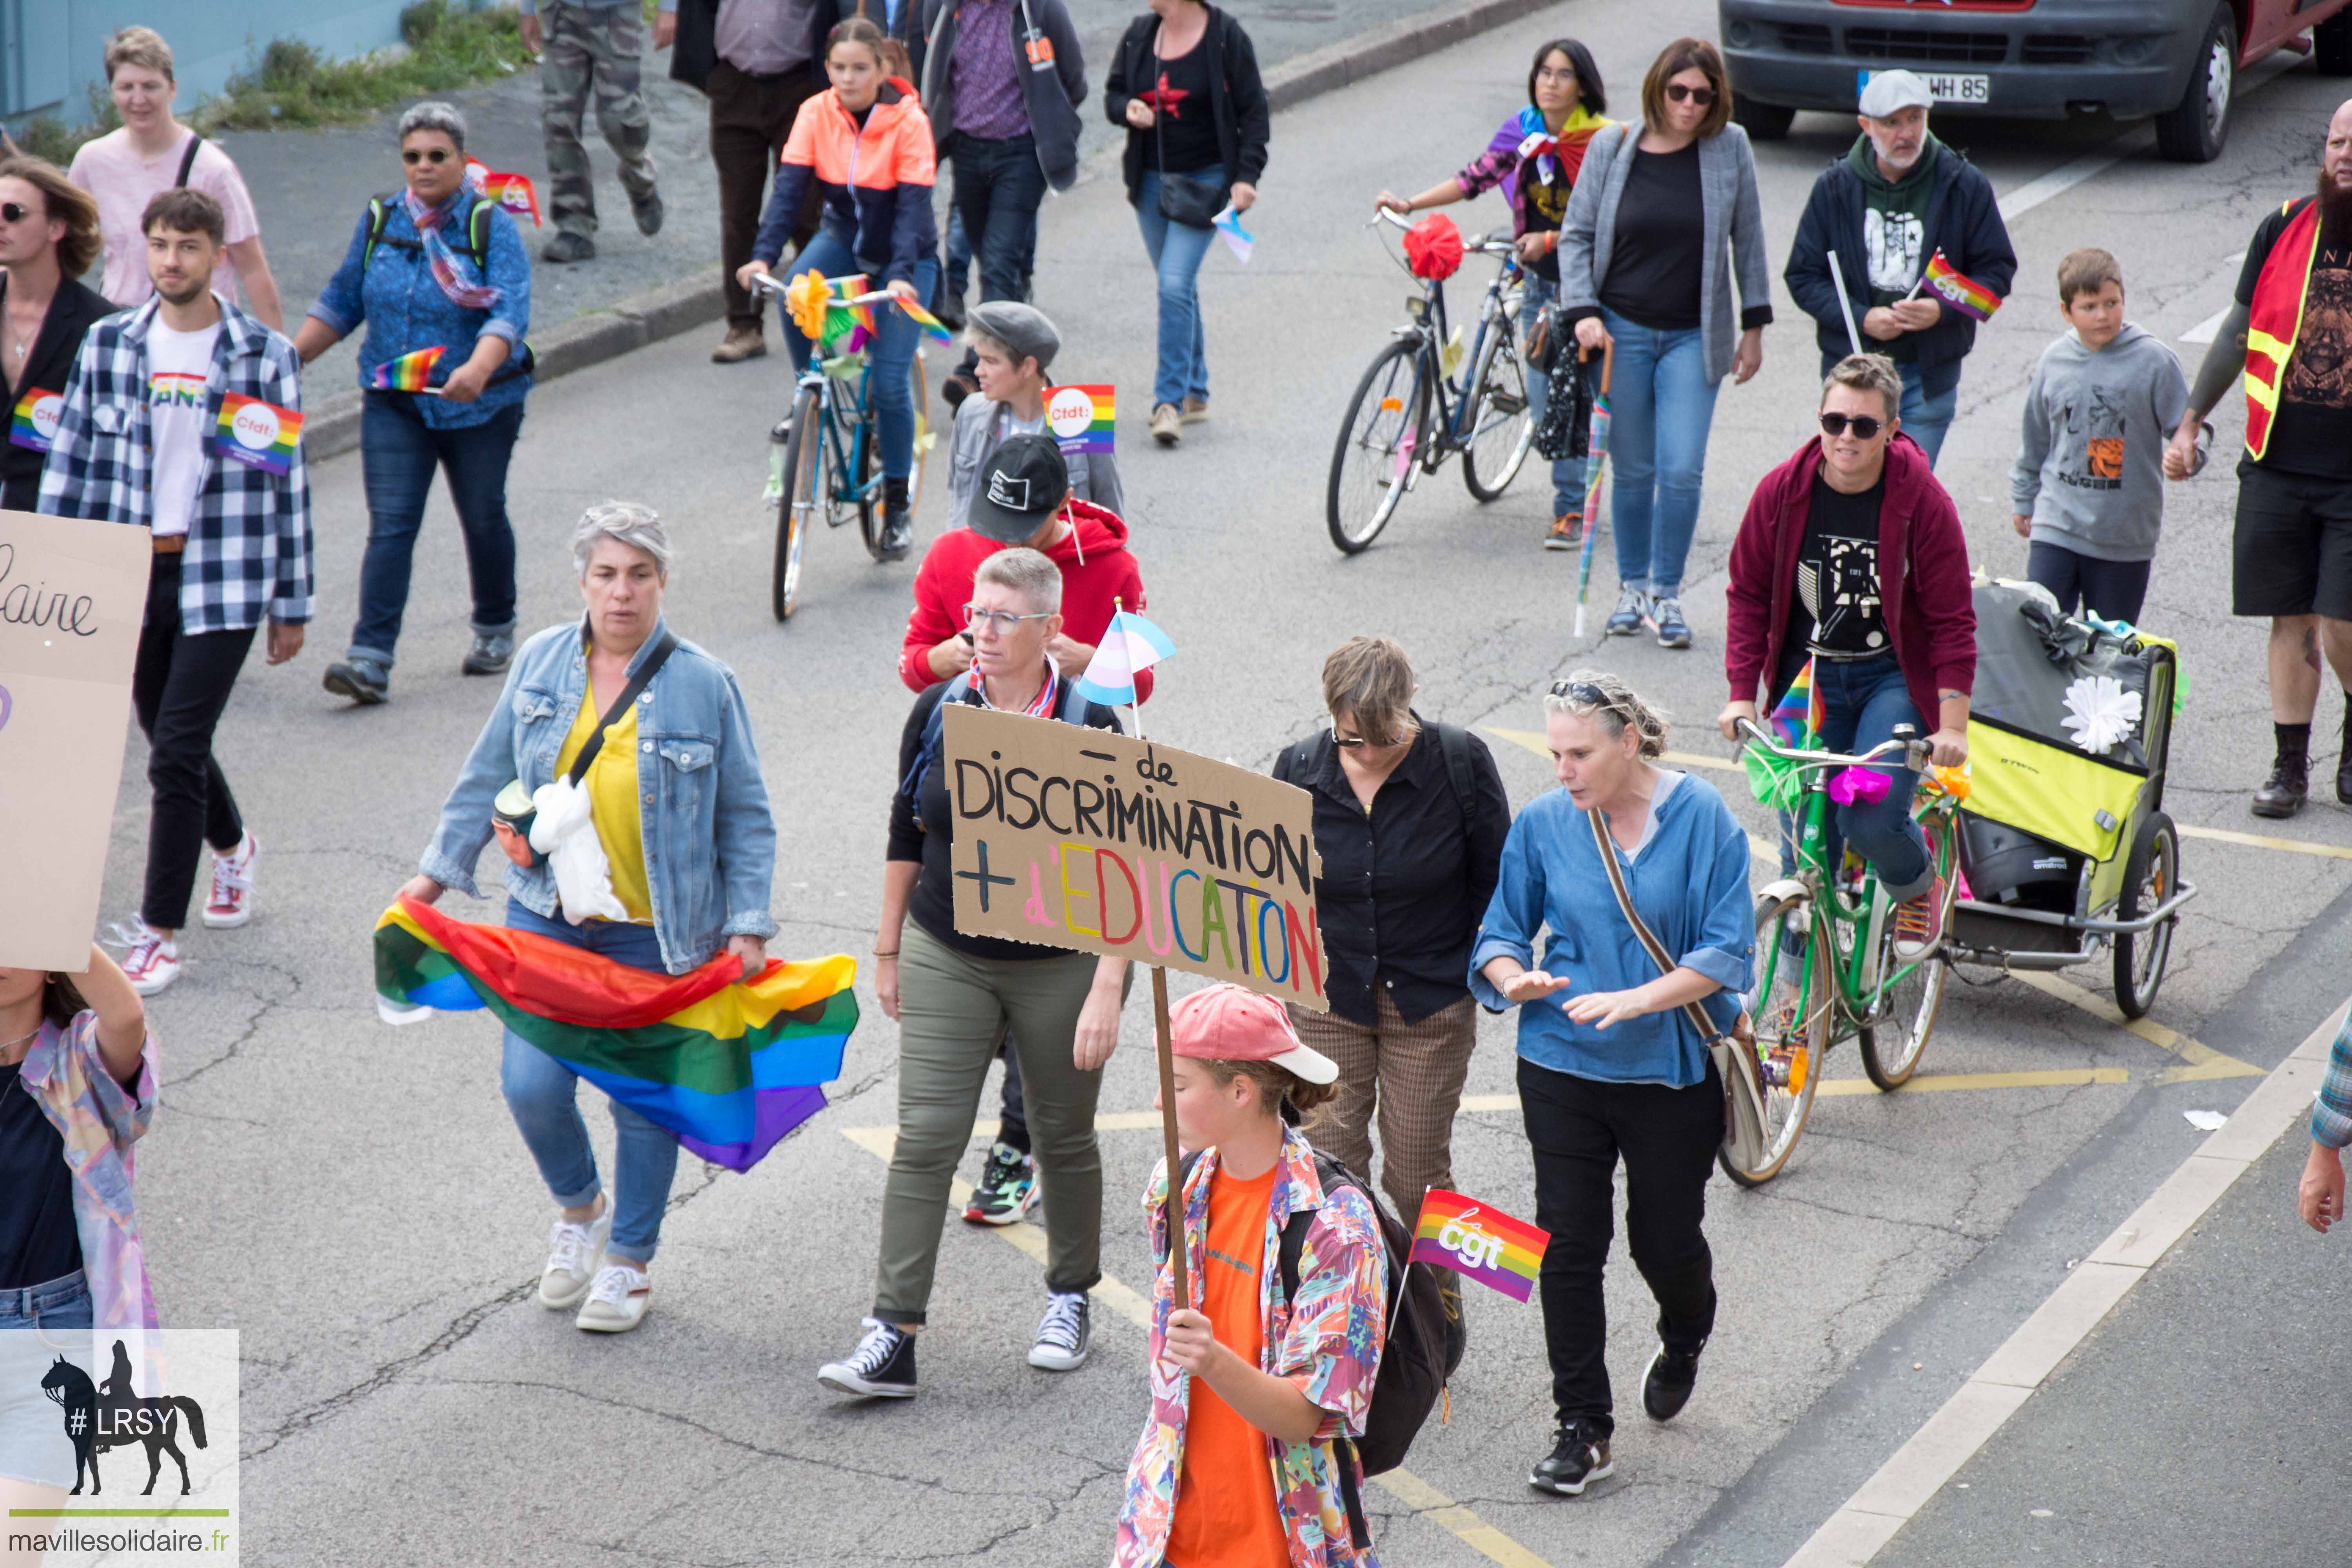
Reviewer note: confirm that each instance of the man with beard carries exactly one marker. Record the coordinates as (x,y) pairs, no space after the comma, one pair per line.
(2291,333)
(183,417)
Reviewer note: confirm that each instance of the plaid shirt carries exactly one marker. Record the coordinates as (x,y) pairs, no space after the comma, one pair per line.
(248,551)
(2331,1113)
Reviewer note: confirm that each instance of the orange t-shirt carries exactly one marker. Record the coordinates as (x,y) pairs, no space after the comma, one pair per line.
(1225,1513)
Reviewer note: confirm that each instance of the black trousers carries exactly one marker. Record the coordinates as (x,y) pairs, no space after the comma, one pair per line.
(1578,1128)
(179,686)
(751,118)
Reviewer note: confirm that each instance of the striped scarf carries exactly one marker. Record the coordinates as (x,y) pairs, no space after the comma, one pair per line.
(1042,706)
(451,270)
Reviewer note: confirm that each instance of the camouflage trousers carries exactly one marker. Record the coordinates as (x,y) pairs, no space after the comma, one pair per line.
(591,48)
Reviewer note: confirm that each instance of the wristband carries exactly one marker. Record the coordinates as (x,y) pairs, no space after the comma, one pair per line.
(879,954)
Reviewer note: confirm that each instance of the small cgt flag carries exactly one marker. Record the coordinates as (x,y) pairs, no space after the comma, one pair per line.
(1479,1242)
(1959,290)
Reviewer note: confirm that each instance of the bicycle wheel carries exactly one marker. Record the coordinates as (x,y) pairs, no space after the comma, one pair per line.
(1794,991)
(2149,878)
(1501,421)
(1893,1041)
(1373,459)
(797,478)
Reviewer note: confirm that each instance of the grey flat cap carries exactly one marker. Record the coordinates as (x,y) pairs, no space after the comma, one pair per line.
(1891,90)
(1022,329)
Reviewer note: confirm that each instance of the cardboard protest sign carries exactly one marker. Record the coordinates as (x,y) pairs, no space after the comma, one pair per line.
(71,597)
(1081,838)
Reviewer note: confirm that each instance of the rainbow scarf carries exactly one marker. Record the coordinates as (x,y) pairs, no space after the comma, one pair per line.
(725,1065)
(1550,151)
(451,270)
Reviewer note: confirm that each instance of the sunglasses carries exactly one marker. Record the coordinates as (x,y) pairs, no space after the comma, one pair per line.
(1863,427)
(15,212)
(1587,695)
(1004,621)
(1702,96)
(412,157)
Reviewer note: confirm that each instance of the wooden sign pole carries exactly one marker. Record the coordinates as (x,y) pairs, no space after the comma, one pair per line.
(1183,1296)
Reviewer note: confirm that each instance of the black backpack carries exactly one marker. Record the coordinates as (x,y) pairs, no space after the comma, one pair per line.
(1295,763)
(1412,1369)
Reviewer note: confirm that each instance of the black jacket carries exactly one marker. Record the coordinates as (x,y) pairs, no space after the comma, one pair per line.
(1963,220)
(49,366)
(1051,91)
(1236,95)
(696,50)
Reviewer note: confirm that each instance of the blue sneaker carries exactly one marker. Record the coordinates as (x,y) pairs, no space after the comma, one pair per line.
(1666,615)
(1632,607)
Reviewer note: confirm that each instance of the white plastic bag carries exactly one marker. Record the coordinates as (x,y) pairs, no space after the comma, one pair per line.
(566,834)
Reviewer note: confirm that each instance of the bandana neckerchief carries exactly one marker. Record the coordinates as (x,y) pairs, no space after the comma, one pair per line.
(450,271)
(1540,143)
(1042,706)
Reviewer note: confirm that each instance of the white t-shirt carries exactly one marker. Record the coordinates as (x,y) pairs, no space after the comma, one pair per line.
(123,183)
(178,363)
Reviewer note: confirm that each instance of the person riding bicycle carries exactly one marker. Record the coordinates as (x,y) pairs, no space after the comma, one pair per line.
(868,145)
(1534,156)
(1850,556)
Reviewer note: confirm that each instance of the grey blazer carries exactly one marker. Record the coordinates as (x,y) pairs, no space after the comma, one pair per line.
(1727,179)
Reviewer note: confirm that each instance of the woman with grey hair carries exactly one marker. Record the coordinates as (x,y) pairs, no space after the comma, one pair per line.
(671,765)
(1611,1065)
(439,275)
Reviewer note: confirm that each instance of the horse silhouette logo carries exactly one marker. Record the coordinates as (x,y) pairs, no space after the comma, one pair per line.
(98,1419)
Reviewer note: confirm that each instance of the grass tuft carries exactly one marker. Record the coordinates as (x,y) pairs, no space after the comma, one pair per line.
(448,45)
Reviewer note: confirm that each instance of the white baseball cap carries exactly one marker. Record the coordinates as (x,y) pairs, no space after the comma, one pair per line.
(1890,90)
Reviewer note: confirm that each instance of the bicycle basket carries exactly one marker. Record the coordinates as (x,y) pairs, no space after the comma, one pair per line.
(1433,248)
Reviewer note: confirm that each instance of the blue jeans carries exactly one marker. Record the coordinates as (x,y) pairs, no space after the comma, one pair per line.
(1862,701)
(1567,473)
(1661,406)
(889,355)
(57,1304)
(1177,251)
(2111,590)
(39,1324)
(1925,419)
(998,188)
(398,453)
(541,1094)
(959,270)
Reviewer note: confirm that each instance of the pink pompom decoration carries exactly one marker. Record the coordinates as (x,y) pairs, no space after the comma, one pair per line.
(1863,786)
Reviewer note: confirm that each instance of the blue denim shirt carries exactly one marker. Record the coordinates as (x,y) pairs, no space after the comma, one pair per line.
(710,844)
(405,309)
(1690,882)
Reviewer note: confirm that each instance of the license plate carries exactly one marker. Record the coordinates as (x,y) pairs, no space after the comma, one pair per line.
(1946,86)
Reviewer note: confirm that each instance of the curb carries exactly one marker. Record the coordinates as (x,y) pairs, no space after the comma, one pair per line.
(334,426)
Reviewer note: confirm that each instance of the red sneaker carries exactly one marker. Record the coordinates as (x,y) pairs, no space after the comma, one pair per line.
(151,961)
(230,903)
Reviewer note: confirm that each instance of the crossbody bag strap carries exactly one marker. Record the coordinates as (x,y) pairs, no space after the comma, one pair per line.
(629,693)
(1707,1032)
(188,160)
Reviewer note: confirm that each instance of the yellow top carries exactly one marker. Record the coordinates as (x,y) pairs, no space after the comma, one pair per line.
(612,786)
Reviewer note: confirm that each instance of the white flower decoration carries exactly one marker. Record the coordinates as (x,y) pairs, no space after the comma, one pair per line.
(2100,713)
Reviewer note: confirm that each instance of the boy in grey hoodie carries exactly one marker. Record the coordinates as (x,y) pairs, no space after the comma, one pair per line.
(2087,491)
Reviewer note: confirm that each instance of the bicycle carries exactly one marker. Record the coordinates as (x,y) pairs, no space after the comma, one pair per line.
(1410,412)
(826,454)
(1827,968)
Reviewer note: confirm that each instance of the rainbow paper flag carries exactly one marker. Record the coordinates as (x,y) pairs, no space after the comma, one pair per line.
(1797,718)
(34,424)
(727,1065)
(1081,417)
(512,192)
(257,433)
(409,372)
(1959,291)
(932,326)
(1478,1242)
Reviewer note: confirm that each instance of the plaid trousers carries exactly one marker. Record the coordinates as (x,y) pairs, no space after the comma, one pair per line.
(1412,1075)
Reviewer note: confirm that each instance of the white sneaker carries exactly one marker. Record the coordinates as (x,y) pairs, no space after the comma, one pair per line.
(573,1253)
(151,962)
(1063,1333)
(617,1302)
(230,903)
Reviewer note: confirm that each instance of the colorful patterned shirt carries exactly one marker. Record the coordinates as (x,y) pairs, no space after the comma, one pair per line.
(2331,1113)
(1328,1343)
(987,82)
(98,1119)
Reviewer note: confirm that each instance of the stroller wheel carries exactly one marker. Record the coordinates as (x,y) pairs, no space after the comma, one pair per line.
(2149,878)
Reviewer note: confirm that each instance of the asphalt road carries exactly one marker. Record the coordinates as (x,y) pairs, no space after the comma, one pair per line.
(356,1202)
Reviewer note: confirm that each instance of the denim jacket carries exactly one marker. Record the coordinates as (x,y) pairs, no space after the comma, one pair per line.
(710,844)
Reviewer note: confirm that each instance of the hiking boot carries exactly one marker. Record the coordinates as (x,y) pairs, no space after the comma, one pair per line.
(2290,783)
(1567,532)
(649,213)
(881,1367)
(1632,607)
(1574,1463)
(574,1251)
(616,1301)
(2344,778)
(897,536)
(1666,1384)
(1007,1190)
(490,655)
(1195,410)
(151,960)
(740,345)
(567,248)
(364,680)
(1062,1334)
(1166,424)
(1666,615)
(230,903)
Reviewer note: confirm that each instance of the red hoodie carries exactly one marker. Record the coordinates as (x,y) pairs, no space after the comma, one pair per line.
(1096,568)
(1931,619)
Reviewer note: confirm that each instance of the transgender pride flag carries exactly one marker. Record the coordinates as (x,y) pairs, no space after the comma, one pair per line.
(1129,644)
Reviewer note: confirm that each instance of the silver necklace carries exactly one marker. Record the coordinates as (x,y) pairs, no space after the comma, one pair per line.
(11,1045)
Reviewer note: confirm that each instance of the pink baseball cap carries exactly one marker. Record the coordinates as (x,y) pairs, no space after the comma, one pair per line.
(1229,1024)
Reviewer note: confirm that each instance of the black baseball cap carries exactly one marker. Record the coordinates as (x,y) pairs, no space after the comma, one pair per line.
(1021,485)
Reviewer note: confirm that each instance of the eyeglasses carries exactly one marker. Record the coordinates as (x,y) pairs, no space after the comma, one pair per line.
(1702,96)
(1863,427)
(14,212)
(1004,621)
(1548,74)
(412,157)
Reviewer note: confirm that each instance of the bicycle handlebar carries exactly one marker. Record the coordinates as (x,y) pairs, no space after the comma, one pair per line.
(768,282)
(1914,752)
(1485,244)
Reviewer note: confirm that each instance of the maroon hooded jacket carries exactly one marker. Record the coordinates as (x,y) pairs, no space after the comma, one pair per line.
(1923,577)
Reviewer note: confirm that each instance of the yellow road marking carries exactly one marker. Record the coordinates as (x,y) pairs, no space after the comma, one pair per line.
(1122,1298)
(2200,1061)
(2263,841)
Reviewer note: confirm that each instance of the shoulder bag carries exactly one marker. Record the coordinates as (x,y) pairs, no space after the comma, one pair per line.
(1180,201)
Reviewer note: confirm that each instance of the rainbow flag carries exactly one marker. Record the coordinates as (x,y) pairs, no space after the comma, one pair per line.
(1081,417)
(1959,291)
(1478,1242)
(1797,718)
(932,326)
(34,424)
(729,1065)
(257,433)
(409,372)
(512,192)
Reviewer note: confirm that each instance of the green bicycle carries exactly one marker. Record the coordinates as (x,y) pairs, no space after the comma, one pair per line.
(1827,965)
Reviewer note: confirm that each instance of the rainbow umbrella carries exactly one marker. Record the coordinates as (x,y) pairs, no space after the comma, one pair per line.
(1596,455)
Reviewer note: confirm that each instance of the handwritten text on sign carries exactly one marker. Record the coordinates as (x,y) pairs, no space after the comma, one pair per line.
(1082,838)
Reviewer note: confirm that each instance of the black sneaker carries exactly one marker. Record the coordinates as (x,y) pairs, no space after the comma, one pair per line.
(363,680)
(567,248)
(649,213)
(1007,1190)
(958,387)
(950,309)
(882,1367)
(1667,1386)
(1063,1333)
(2344,778)
(1575,1463)
(2290,782)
